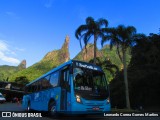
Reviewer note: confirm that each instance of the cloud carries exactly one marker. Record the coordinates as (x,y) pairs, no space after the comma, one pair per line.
(48,4)
(3,46)
(20,49)
(6,53)
(8,59)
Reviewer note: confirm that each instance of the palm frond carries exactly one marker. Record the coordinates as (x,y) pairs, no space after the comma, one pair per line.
(139,36)
(80,44)
(89,20)
(86,37)
(102,22)
(80,30)
(131,30)
(105,39)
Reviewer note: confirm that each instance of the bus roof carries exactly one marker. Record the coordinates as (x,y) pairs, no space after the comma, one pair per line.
(61,66)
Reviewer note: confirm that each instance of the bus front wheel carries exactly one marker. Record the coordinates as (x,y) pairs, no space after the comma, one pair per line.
(52,108)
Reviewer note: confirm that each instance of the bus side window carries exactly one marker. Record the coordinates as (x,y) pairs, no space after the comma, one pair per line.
(39,85)
(54,79)
(33,87)
(26,89)
(45,82)
(29,89)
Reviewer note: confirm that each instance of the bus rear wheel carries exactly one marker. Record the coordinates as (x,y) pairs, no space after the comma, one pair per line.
(52,108)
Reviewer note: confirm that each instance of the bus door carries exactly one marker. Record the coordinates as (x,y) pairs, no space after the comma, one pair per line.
(65,89)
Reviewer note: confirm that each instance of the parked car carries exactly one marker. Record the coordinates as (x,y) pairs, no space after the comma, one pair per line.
(2,99)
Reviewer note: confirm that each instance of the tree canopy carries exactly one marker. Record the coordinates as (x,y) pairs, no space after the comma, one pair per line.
(91,28)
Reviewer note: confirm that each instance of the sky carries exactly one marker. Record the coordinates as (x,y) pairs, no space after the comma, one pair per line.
(29,29)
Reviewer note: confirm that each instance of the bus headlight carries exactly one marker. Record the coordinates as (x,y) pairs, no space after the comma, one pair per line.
(78,99)
(108,101)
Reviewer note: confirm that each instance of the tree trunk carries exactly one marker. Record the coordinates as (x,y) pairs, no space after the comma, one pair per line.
(95,48)
(126,80)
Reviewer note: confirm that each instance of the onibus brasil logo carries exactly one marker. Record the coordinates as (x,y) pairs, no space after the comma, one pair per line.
(16,114)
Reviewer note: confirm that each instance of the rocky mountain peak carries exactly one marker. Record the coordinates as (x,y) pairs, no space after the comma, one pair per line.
(22,65)
(62,55)
(87,53)
(67,39)
(66,43)
(64,52)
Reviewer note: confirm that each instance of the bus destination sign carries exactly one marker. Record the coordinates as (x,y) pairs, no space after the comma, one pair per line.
(88,66)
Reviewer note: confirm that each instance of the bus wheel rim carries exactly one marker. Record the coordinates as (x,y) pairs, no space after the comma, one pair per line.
(53,108)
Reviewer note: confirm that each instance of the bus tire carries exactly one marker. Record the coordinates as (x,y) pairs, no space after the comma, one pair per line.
(52,108)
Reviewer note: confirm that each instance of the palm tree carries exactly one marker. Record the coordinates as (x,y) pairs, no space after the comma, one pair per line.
(122,37)
(106,64)
(91,28)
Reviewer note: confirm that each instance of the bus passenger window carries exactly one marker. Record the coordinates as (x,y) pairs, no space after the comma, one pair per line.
(26,89)
(29,89)
(45,82)
(39,85)
(54,79)
(34,87)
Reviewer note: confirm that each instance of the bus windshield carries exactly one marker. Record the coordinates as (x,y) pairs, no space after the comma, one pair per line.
(90,84)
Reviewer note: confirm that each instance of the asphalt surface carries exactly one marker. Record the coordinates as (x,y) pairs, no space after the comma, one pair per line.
(17,108)
(10,107)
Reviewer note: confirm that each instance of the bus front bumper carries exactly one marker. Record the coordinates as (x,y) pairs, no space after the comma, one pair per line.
(80,108)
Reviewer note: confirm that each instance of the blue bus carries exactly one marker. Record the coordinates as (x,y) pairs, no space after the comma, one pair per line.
(71,87)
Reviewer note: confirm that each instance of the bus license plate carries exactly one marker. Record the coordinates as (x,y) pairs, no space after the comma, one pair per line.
(95,108)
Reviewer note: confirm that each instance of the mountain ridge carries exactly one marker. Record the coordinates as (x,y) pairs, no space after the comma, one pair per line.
(6,70)
(56,57)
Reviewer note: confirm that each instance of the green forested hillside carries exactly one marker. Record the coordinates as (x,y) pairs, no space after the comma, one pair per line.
(51,60)
(39,68)
(6,71)
(113,56)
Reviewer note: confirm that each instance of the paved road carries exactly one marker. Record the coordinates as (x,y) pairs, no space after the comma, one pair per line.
(14,107)
(10,107)
(17,108)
